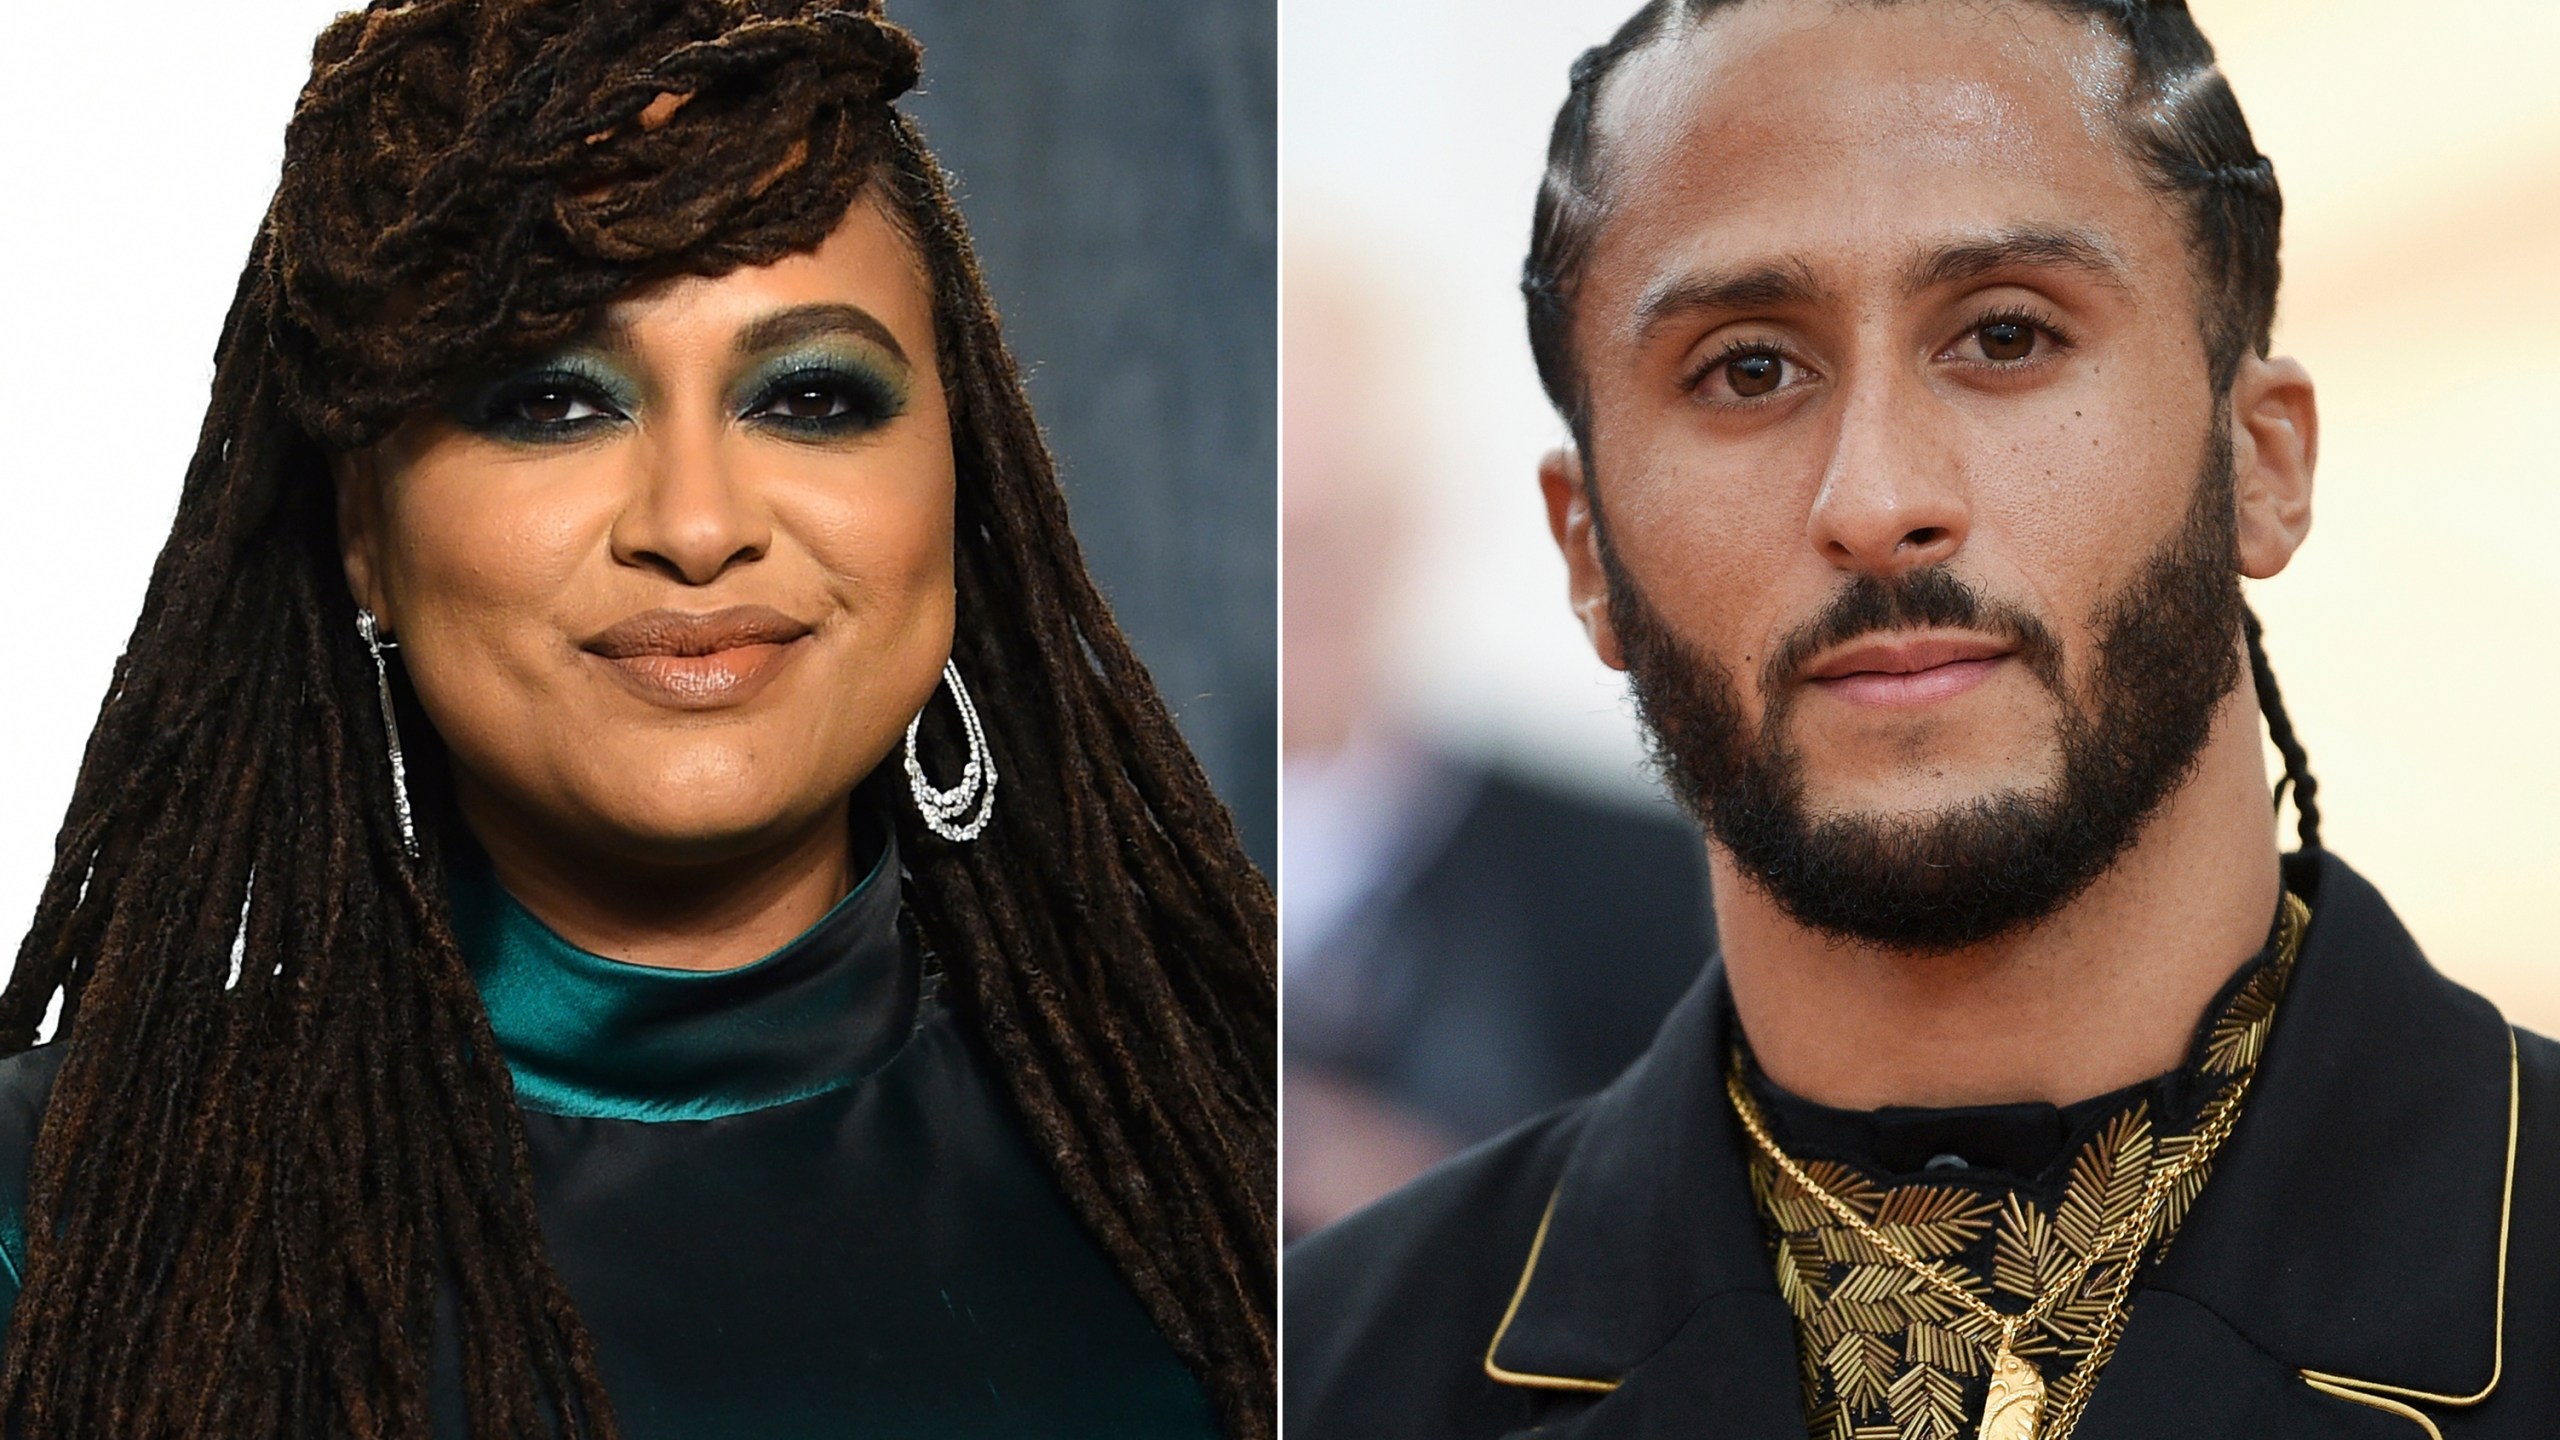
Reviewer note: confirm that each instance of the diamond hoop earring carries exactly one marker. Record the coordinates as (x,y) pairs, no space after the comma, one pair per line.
(371,630)
(944,810)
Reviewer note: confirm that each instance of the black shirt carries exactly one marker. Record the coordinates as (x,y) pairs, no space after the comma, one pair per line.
(790,1199)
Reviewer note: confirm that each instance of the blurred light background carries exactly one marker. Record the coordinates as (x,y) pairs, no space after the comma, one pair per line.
(2419,150)
(1115,158)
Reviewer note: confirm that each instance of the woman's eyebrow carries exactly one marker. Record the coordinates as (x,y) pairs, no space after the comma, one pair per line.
(784,327)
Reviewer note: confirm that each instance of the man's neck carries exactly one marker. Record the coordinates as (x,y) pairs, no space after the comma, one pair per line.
(2105,993)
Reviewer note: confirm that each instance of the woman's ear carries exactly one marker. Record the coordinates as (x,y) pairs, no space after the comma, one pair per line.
(2275,443)
(357,476)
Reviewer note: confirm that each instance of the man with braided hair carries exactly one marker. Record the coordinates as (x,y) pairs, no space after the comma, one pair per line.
(627,883)
(1923,425)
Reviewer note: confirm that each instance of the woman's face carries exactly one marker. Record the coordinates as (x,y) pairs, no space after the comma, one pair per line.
(671,590)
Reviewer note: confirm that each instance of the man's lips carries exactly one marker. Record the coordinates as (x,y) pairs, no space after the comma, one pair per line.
(698,661)
(1895,673)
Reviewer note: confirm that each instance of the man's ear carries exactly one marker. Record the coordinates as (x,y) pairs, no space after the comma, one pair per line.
(360,530)
(2275,445)
(1574,523)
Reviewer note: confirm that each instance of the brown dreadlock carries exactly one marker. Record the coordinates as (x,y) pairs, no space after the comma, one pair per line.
(260,1177)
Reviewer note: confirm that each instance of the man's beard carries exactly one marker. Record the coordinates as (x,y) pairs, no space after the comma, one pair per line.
(2166,655)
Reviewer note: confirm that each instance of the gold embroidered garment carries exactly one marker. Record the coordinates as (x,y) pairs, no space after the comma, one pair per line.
(1888,1356)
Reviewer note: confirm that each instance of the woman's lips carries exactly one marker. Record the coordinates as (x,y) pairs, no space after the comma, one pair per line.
(1904,674)
(703,682)
(699,661)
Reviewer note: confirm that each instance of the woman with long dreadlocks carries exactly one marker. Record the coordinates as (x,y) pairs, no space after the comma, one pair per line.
(627,882)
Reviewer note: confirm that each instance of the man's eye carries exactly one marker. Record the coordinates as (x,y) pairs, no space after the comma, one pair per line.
(1754,374)
(1746,375)
(2003,342)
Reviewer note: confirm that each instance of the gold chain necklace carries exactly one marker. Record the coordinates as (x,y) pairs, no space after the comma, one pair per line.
(2017,1388)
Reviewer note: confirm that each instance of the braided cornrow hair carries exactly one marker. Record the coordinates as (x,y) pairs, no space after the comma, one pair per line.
(2178,116)
(2297,761)
(282,1140)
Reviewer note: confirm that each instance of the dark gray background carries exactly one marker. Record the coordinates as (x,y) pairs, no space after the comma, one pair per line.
(1116,160)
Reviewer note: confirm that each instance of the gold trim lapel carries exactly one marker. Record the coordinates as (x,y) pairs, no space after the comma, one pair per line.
(1493,1369)
(2374,1392)
(2376,1402)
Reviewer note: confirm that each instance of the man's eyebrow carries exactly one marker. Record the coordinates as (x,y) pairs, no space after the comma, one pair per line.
(2030,248)
(785,327)
(1792,282)
(1753,287)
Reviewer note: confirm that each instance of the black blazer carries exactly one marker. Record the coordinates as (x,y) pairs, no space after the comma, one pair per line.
(2377,1254)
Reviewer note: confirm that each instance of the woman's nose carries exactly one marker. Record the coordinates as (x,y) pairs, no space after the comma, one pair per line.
(693,512)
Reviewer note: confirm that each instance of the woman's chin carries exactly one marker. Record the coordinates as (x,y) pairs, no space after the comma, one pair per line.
(662,837)
(665,829)
(700,789)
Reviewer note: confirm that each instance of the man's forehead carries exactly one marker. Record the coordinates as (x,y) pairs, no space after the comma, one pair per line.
(1790,126)
(1761,49)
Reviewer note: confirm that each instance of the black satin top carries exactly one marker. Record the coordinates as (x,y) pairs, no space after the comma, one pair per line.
(790,1199)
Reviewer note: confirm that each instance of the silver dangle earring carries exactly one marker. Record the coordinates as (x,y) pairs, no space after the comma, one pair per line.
(947,812)
(367,627)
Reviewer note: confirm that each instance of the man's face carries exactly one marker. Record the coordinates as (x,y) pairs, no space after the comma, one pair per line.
(1898,418)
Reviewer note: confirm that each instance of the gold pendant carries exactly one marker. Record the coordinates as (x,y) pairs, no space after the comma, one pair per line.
(2017,1395)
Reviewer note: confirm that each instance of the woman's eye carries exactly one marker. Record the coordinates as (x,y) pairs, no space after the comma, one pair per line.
(554,407)
(541,408)
(826,402)
(809,402)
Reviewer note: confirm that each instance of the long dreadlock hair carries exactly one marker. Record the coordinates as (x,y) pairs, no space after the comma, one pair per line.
(282,1135)
(2180,121)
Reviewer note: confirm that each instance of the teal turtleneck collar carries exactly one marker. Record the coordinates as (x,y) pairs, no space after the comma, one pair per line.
(588,1036)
